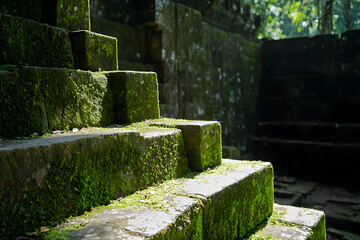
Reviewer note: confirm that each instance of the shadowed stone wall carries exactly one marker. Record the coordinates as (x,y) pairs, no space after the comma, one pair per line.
(204,52)
(309,96)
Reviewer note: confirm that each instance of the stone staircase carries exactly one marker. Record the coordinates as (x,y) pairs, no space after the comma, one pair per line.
(84,153)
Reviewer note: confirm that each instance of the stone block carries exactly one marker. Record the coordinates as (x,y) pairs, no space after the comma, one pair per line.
(68,14)
(93,51)
(25,42)
(44,99)
(227,201)
(289,222)
(202,141)
(45,180)
(135,96)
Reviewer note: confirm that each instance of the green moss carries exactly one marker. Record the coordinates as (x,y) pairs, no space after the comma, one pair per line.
(83,174)
(202,141)
(242,210)
(51,99)
(93,51)
(319,232)
(136,96)
(25,42)
(73,15)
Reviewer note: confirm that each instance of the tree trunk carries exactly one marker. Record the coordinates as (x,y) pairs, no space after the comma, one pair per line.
(326,25)
(348,18)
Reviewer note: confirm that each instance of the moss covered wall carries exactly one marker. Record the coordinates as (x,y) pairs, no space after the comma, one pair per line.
(207,72)
(204,53)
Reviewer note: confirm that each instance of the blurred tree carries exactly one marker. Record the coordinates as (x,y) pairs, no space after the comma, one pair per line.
(326,17)
(294,18)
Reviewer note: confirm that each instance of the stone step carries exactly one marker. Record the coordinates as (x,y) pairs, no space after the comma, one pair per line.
(229,200)
(25,42)
(310,131)
(308,158)
(94,51)
(48,179)
(56,99)
(293,223)
(202,141)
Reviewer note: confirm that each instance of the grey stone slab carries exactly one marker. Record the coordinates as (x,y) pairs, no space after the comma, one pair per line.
(141,223)
(300,216)
(286,233)
(292,223)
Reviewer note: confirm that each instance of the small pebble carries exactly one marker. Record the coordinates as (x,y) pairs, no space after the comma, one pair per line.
(75,130)
(35,134)
(57,132)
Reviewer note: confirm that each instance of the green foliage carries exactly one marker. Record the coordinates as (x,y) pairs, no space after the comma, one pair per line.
(296,18)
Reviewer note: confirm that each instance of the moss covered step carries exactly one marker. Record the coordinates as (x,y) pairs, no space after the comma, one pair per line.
(293,223)
(47,179)
(25,42)
(225,202)
(136,96)
(202,141)
(94,51)
(44,99)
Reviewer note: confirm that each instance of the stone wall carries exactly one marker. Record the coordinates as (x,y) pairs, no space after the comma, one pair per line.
(204,52)
(308,118)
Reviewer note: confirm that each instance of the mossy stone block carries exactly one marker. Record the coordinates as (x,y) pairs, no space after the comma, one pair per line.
(68,14)
(93,51)
(44,99)
(45,180)
(238,195)
(25,42)
(73,15)
(135,96)
(202,141)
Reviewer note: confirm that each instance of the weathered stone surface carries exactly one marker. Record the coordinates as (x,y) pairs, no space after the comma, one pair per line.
(68,14)
(238,194)
(202,141)
(93,51)
(136,96)
(293,223)
(48,179)
(45,99)
(131,39)
(25,42)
